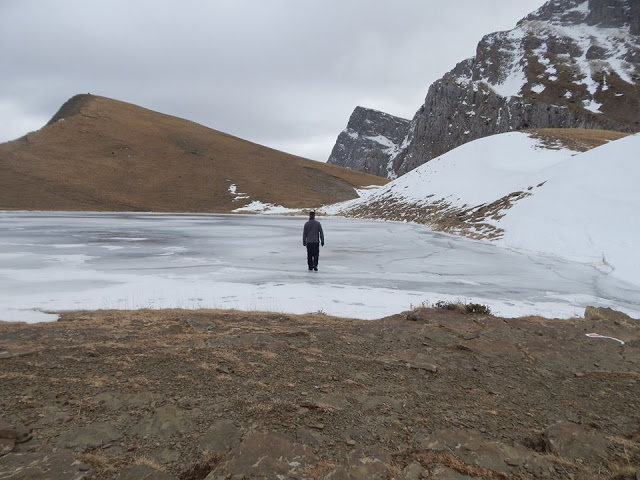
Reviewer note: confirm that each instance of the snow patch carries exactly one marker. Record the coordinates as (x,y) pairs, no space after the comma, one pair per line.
(382,140)
(233,190)
(267,208)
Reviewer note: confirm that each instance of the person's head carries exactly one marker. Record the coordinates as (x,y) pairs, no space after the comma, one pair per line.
(312,215)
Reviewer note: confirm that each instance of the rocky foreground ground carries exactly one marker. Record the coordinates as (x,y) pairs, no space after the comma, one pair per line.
(431,393)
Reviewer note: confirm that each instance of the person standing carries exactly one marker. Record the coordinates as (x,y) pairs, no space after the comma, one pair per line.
(312,238)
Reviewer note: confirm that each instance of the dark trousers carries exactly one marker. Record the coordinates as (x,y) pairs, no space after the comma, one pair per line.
(313,253)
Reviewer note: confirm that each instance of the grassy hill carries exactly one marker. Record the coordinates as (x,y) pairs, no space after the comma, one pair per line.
(106,155)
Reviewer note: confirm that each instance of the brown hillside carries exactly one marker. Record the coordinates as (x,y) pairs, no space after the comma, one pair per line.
(576,139)
(102,154)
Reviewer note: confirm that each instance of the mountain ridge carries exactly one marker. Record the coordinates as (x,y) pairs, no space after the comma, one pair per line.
(570,64)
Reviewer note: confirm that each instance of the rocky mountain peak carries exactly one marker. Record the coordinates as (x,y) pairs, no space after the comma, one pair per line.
(370,139)
(570,64)
(621,14)
(71,107)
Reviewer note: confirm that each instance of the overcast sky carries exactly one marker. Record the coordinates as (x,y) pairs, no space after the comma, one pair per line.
(283,73)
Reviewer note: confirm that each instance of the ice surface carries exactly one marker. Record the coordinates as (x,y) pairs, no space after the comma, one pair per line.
(367,269)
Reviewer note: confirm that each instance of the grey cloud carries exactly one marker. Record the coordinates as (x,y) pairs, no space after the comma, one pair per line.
(282,72)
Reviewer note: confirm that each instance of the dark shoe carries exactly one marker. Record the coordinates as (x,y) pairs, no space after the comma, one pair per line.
(310,268)
(315,268)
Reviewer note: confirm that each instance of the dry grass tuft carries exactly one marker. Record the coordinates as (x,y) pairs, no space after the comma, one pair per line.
(149,462)
(464,308)
(205,465)
(578,140)
(431,459)
(98,461)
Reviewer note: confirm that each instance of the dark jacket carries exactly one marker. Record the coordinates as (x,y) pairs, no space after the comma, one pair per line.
(312,233)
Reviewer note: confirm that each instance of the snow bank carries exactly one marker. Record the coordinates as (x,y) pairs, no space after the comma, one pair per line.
(477,172)
(586,211)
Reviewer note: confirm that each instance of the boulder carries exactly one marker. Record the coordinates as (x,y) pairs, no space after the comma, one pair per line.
(90,436)
(264,455)
(59,465)
(221,436)
(571,441)
(143,472)
(474,448)
(164,421)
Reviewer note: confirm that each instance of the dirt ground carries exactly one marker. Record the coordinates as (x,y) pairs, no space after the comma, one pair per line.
(430,393)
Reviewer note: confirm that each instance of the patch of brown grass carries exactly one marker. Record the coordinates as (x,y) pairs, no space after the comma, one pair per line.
(205,465)
(464,308)
(578,140)
(432,459)
(149,462)
(98,461)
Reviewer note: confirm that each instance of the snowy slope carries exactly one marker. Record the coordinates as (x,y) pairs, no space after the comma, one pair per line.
(588,210)
(477,172)
(511,189)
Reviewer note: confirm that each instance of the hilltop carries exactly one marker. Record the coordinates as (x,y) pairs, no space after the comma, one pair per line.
(105,155)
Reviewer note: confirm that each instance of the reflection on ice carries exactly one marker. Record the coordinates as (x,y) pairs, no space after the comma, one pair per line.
(71,261)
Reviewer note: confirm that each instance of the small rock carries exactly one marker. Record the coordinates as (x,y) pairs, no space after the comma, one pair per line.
(569,440)
(311,437)
(92,436)
(18,433)
(60,464)
(413,471)
(221,436)
(317,426)
(426,367)
(6,446)
(164,421)
(264,455)
(140,472)
(350,442)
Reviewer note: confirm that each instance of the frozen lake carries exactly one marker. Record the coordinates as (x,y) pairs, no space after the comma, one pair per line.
(69,261)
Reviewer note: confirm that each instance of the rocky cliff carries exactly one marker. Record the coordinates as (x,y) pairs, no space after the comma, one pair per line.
(370,142)
(570,64)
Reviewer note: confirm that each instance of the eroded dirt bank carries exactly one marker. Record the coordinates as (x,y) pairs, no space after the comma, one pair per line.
(425,394)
